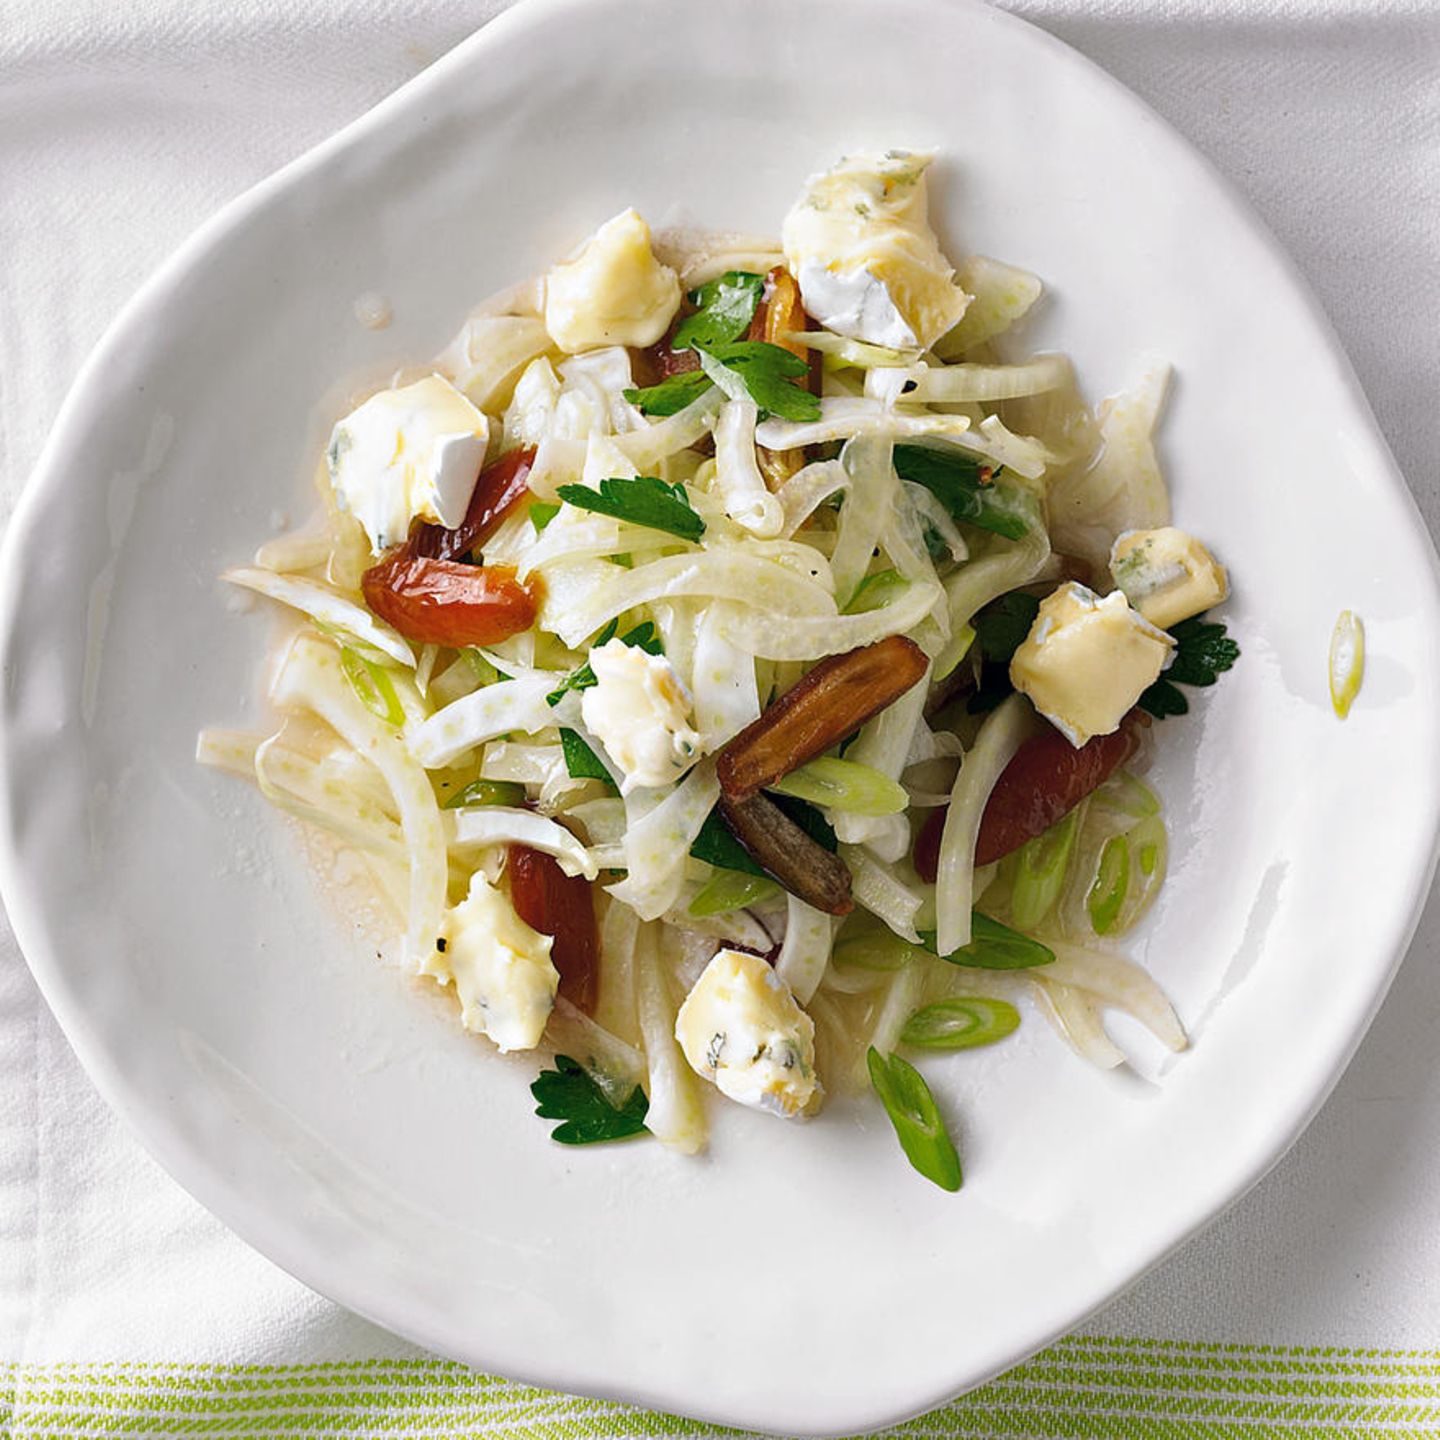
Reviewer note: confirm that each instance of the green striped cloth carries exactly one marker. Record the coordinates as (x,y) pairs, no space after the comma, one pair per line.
(1109,1388)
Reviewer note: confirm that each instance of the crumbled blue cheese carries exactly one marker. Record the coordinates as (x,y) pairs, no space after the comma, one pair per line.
(1167,575)
(1086,661)
(859,243)
(614,292)
(503,974)
(640,712)
(742,1029)
(407,454)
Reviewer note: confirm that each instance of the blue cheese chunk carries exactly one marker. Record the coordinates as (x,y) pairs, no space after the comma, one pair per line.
(503,974)
(860,246)
(614,292)
(1086,661)
(408,454)
(742,1029)
(641,713)
(1167,575)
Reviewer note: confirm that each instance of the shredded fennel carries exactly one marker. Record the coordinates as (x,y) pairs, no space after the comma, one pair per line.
(786,543)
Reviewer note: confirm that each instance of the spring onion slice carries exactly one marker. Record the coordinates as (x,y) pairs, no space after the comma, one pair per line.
(874,949)
(373,687)
(327,605)
(1002,734)
(1347,661)
(960,1023)
(1106,897)
(487,792)
(884,745)
(1040,872)
(728,890)
(916,1118)
(844,785)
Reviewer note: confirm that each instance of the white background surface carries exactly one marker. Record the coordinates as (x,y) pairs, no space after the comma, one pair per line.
(121,127)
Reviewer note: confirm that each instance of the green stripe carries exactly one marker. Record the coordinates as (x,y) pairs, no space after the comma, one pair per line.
(1082,1388)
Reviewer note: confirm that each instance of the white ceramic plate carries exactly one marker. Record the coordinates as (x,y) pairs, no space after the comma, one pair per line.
(798,1279)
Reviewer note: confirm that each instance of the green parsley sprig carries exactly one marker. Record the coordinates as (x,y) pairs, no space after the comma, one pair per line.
(766,373)
(581,762)
(1203,652)
(569,1093)
(724,309)
(644,500)
(960,483)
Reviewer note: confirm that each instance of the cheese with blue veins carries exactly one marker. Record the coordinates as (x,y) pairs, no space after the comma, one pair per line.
(640,712)
(614,292)
(742,1029)
(860,245)
(1086,661)
(1167,574)
(408,454)
(503,974)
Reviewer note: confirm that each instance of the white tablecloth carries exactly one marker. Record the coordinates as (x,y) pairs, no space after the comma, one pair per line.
(124,125)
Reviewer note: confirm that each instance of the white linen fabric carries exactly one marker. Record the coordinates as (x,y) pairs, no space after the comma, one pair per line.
(122,126)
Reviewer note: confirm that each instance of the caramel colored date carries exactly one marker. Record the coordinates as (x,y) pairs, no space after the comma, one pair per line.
(834,699)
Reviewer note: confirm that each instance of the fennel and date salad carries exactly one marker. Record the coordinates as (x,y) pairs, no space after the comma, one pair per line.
(737,667)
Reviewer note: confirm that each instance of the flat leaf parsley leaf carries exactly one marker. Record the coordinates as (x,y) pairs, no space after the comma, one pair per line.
(569,1093)
(645,500)
(671,395)
(767,372)
(725,308)
(1203,652)
(581,762)
(963,484)
(1002,625)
